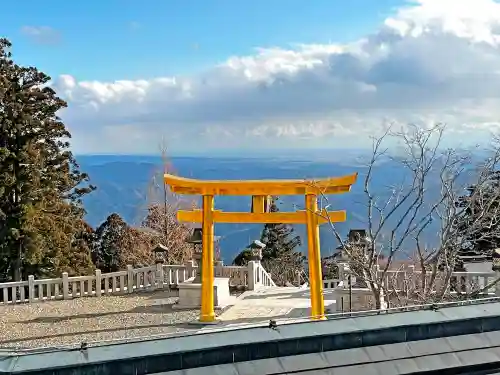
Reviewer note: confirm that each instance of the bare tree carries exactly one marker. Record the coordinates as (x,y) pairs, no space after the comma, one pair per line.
(405,256)
(164,228)
(135,248)
(159,223)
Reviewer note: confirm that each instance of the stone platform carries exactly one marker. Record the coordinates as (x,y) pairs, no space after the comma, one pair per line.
(190,294)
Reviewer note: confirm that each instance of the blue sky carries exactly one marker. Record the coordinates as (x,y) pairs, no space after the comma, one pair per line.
(130,39)
(221,75)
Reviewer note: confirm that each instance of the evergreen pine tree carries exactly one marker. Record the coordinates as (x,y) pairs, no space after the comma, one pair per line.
(65,240)
(480,206)
(280,243)
(280,239)
(242,258)
(78,260)
(109,243)
(40,182)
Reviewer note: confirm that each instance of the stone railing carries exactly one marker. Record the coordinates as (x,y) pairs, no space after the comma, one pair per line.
(259,277)
(481,284)
(460,282)
(127,281)
(473,281)
(410,278)
(238,276)
(331,283)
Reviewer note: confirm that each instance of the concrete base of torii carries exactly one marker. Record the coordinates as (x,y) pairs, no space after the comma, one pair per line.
(190,294)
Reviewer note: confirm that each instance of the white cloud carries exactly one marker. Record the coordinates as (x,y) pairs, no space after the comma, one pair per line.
(433,60)
(41,34)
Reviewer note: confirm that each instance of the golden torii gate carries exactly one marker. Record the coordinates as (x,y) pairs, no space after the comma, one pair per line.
(260,190)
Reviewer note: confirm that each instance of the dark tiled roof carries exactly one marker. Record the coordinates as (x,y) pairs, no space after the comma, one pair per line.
(236,347)
(403,358)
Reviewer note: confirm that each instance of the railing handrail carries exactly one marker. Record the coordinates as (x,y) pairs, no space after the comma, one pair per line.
(114,274)
(266,275)
(405,271)
(404,279)
(74,278)
(144,269)
(14,283)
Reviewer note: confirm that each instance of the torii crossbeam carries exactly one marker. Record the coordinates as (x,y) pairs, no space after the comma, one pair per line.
(260,190)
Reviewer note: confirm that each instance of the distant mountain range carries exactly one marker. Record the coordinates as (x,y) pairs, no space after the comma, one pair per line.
(123,183)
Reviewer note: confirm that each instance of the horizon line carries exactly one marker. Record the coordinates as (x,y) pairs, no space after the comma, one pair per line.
(229,153)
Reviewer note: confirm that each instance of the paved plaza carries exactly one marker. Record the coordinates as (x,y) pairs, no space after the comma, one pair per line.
(284,302)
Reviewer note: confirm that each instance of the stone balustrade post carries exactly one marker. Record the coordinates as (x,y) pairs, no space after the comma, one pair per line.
(219,268)
(130,279)
(98,283)
(190,268)
(31,289)
(343,272)
(159,275)
(497,285)
(252,274)
(65,285)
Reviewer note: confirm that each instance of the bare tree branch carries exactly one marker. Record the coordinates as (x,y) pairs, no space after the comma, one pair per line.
(401,227)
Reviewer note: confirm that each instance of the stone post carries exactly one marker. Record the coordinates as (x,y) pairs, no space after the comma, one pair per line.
(219,268)
(497,285)
(253,277)
(130,279)
(98,283)
(495,266)
(190,268)
(342,273)
(159,275)
(65,283)
(197,257)
(31,289)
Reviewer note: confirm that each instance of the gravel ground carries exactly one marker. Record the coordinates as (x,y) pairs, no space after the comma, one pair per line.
(58,323)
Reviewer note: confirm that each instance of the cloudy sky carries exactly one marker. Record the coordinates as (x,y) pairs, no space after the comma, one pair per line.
(206,75)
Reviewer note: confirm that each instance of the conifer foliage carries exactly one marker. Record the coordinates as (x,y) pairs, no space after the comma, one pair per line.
(281,256)
(279,238)
(480,206)
(109,244)
(41,186)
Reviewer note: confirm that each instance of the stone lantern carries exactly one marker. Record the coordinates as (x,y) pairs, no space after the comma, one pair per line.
(196,239)
(256,248)
(160,252)
(358,237)
(495,260)
(190,291)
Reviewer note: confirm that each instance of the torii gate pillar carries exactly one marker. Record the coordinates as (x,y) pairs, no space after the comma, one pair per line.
(314,257)
(207,273)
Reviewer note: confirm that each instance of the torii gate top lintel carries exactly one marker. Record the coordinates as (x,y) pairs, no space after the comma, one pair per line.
(332,185)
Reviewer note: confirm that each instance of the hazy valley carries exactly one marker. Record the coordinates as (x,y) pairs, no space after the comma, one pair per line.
(124,184)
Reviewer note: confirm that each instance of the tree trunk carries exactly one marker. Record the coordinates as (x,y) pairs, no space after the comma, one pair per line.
(17,266)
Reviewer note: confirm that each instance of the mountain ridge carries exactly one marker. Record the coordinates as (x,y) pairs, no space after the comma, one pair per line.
(123,183)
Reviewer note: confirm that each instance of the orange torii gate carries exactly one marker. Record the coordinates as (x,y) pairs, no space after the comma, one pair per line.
(260,190)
